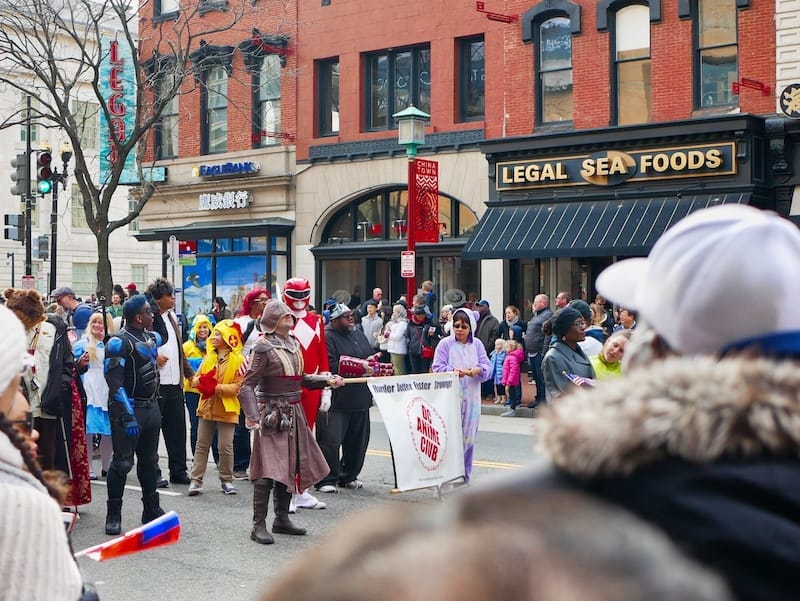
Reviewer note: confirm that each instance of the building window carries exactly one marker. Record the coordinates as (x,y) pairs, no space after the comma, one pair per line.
(167,129)
(164,10)
(139,276)
(472,77)
(84,278)
(21,116)
(328,97)
(631,79)
(268,99)
(554,71)
(215,110)
(133,226)
(77,214)
(716,52)
(87,119)
(396,79)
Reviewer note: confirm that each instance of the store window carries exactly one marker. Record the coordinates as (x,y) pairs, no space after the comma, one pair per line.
(716,52)
(396,79)
(328,97)
(554,71)
(631,79)
(472,77)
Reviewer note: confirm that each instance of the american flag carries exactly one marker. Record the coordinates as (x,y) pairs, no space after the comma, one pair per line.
(243,367)
(579,380)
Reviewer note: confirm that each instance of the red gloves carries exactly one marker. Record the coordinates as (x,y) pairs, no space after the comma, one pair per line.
(207,384)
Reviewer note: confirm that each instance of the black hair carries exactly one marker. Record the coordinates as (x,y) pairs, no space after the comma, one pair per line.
(160,287)
(133,306)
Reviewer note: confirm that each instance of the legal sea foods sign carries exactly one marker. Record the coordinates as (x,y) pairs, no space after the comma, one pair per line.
(613,167)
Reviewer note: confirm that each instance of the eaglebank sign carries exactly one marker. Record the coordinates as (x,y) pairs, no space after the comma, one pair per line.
(613,167)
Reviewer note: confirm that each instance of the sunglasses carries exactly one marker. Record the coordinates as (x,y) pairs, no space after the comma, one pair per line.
(460,326)
(26,425)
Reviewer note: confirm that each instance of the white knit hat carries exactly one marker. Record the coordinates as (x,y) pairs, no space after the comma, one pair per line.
(13,352)
(719,277)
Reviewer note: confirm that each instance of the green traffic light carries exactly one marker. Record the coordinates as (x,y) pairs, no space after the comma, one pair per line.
(45,186)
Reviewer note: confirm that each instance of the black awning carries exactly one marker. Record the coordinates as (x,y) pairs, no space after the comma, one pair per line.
(219,229)
(583,228)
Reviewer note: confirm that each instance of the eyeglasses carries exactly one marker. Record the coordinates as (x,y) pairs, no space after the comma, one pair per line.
(460,326)
(24,424)
(347,316)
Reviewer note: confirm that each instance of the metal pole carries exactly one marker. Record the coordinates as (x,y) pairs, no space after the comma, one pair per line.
(54,229)
(28,199)
(13,275)
(411,234)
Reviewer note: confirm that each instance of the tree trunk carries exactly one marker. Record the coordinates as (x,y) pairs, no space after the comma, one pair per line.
(105,281)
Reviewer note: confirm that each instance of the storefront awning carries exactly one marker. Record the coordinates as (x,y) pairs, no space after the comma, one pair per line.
(219,229)
(583,229)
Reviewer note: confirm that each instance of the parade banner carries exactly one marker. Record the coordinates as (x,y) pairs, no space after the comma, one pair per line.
(422,415)
(426,207)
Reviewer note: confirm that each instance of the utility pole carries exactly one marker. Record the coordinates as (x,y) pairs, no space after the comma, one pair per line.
(28,199)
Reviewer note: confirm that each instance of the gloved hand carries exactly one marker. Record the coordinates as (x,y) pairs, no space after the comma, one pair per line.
(207,383)
(325,401)
(132,428)
(381,369)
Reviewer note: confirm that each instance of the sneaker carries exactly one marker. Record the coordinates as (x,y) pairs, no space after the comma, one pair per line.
(195,488)
(92,476)
(509,413)
(229,489)
(354,484)
(292,507)
(240,475)
(532,405)
(328,488)
(306,500)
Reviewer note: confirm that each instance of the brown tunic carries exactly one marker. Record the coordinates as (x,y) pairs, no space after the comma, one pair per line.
(289,455)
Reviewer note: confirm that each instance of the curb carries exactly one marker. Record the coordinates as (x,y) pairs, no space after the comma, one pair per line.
(492,409)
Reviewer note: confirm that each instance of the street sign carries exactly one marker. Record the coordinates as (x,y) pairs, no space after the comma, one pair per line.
(28,282)
(408,262)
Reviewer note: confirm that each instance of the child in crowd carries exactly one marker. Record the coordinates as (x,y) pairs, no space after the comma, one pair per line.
(512,370)
(496,358)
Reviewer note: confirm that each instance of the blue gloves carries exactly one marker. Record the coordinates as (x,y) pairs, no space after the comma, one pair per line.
(132,428)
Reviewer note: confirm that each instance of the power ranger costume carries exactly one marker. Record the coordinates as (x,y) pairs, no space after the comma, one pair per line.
(132,377)
(309,332)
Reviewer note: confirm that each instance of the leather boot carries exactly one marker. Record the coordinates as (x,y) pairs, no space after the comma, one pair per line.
(114,516)
(152,508)
(282,523)
(259,533)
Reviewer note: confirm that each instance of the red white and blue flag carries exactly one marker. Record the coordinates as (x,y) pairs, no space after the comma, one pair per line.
(579,380)
(162,531)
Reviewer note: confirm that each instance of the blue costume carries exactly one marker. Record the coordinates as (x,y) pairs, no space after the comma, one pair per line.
(132,377)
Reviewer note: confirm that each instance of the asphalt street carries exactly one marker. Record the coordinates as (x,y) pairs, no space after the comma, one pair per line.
(215,558)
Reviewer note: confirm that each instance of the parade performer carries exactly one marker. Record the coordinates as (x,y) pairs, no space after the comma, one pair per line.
(285,455)
(132,376)
(309,332)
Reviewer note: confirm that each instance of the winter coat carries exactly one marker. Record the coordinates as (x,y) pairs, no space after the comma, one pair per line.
(397,342)
(561,359)
(512,367)
(353,397)
(496,358)
(534,337)
(706,449)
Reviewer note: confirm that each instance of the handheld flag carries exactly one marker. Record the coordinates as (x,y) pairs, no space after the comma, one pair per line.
(162,531)
(579,380)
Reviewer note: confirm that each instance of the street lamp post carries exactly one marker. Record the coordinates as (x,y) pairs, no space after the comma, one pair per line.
(66,155)
(411,134)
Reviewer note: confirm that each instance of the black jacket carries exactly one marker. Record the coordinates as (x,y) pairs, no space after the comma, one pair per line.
(353,397)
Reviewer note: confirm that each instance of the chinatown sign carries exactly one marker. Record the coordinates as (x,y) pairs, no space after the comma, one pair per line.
(613,167)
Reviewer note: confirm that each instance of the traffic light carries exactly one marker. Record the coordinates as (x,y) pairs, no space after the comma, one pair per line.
(43,247)
(14,227)
(21,174)
(44,171)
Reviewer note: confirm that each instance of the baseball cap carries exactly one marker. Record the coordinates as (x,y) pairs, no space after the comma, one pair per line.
(131,286)
(62,291)
(693,286)
(483,302)
(339,310)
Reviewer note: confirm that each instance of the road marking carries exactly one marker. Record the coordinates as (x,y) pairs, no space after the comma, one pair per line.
(480,462)
(161,491)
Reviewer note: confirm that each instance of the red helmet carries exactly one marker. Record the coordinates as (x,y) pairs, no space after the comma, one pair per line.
(297,293)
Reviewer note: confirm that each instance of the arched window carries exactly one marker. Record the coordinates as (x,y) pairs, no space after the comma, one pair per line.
(631,79)
(554,71)
(716,52)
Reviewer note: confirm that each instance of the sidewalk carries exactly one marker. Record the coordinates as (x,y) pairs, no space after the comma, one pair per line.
(528,393)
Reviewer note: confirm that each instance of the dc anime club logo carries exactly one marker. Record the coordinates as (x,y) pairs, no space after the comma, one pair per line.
(428,432)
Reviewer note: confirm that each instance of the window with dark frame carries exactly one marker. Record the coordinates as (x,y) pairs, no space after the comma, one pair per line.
(164,10)
(631,80)
(328,109)
(268,99)
(215,109)
(471,77)
(167,127)
(396,79)
(553,40)
(716,52)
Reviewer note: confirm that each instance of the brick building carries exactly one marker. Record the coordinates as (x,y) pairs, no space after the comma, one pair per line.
(616,117)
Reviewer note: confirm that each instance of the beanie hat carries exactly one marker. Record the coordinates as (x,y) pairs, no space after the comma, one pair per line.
(340,309)
(13,351)
(583,308)
(563,321)
(691,286)
(273,311)
(231,333)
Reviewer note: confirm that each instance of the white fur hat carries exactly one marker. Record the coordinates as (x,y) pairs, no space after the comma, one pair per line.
(13,352)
